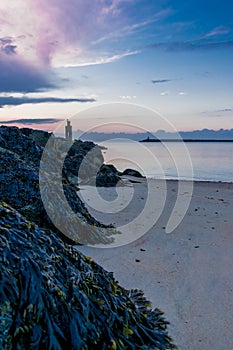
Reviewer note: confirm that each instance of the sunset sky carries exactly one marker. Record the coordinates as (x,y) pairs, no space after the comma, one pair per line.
(60,57)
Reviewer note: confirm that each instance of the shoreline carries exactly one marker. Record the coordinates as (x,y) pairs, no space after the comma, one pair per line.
(187,273)
(188,180)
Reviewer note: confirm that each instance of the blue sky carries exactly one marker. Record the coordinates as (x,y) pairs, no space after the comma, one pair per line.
(58,58)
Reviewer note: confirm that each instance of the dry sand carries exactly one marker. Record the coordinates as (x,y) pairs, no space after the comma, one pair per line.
(188,273)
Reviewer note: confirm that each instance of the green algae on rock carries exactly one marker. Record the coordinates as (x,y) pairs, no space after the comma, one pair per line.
(53,297)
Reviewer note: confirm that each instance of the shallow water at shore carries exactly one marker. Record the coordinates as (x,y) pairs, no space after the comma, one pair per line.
(191,161)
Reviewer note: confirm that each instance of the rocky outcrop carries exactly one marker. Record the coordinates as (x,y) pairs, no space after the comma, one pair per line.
(83,159)
(132,172)
(14,140)
(53,297)
(20,163)
(109,176)
(106,176)
(39,136)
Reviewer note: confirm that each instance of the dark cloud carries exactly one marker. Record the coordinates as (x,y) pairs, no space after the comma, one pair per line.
(161,81)
(226,110)
(31,121)
(10,49)
(6,46)
(17,101)
(192,45)
(17,75)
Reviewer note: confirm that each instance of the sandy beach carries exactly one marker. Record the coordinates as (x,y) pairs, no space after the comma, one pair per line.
(188,273)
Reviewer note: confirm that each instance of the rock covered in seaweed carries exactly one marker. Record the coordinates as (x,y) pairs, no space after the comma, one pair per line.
(107,176)
(20,157)
(53,297)
(88,154)
(40,137)
(132,172)
(14,140)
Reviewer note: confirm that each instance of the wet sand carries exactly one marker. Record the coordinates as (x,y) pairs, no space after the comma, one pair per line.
(188,273)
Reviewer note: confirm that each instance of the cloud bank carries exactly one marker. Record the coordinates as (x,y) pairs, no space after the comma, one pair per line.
(161,81)
(17,101)
(31,121)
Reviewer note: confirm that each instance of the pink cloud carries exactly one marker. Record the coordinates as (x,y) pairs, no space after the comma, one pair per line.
(53,32)
(34,33)
(221,30)
(65,25)
(43,30)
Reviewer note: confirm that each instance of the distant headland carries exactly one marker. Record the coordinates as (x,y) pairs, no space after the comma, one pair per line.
(148,139)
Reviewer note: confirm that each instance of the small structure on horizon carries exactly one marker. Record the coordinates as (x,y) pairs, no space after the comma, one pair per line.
(68,130)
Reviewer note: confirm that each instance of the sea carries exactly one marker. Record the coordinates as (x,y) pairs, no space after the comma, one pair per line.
(197,161)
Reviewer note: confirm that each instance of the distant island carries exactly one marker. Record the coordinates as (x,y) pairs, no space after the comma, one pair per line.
(148,139)
(203,135)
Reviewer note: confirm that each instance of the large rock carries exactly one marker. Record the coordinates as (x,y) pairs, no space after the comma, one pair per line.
(108,169)
(53,297)
(106,176)
(40,137)
(20,159)
(13,139)
(59,166)
(132,172)
(83,159)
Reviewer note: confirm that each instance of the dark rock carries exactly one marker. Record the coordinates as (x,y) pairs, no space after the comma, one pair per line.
(107,180)
(53,297)
(134,182)
(13,139)
(40,137)
(83,159)
(104,180)
(108,169)
(20,161)
(132,172)
(19,182)
(109,176)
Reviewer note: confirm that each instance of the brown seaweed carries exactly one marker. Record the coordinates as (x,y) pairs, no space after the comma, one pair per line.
(53,297)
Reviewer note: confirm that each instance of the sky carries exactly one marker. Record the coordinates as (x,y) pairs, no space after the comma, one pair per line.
(61,58)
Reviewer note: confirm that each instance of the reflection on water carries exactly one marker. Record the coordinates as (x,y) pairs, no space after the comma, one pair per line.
(209,161)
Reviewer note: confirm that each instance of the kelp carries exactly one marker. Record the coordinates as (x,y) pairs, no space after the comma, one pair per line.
(53,297)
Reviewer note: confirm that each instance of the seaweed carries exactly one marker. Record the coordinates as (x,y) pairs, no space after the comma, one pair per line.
(53,297)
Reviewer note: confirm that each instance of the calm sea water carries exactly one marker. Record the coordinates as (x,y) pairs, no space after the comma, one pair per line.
(197,161)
